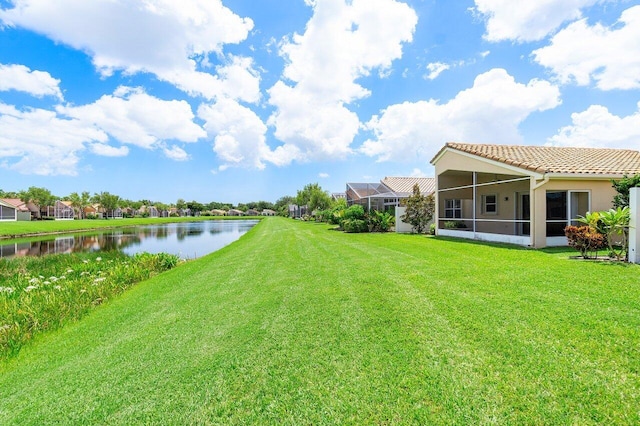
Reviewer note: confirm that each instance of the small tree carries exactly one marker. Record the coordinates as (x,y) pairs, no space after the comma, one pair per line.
(420,210)
(623,186)
(80,202)
(313,197)
(40,197)
(109,202)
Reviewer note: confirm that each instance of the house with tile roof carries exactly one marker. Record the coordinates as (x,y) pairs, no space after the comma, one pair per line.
(523,195)
(23,210)
(8,212)
(63,210)
(389,192)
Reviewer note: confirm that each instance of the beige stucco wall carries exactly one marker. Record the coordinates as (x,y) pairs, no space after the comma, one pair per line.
(601,198)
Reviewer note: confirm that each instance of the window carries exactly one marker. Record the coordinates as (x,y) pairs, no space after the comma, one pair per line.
(453,209)
(490,204)
(563,207)
(556,213)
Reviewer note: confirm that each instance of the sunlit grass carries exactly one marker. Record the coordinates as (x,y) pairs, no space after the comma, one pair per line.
(296,324)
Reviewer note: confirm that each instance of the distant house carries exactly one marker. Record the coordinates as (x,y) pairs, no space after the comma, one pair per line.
(252,212)
(268,212)
(235,212)
(23,211)
(92,210)
(114,214)
(523,195)
(296,211)
(218,212)
(8,212)
(338,196)
(128,212)
(62,210)
(387,193)
(151,211)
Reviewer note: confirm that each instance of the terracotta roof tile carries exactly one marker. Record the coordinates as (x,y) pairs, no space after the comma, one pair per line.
(546,159)
(405,184)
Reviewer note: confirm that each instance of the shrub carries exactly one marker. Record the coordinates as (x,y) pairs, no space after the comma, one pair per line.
(585,239)
(380,221)
(432,229)
(355,212)
(355,225)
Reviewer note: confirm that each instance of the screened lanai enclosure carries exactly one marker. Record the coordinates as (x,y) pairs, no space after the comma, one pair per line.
(497,207)
(371,196)
(388,193)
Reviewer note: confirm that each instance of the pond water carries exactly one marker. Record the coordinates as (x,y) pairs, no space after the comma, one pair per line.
(185,239)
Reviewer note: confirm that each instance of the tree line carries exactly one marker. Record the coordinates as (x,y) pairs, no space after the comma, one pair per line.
(43,197)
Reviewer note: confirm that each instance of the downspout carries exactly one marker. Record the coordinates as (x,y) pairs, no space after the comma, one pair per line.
(532,207)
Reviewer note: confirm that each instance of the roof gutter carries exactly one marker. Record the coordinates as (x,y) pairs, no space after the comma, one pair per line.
(544,182)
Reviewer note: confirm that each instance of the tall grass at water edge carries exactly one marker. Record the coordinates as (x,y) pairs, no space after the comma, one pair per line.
(43,293)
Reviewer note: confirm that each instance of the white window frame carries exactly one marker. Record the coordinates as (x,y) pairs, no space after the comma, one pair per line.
(453,209)
(485,204)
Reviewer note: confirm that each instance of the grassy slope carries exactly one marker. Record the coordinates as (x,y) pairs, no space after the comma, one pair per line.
(21,229)
(295,324)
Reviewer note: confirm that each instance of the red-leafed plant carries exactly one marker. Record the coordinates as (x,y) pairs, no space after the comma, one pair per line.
(586,240)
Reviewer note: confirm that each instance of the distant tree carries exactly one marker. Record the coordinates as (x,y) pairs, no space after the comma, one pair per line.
(195,207)
(282,205)
(109,202)
(214,205)
(181,204)
(80,202)
(162,207)
(9,194)
(623,186)
(40,197)
(314,197)
(420,210)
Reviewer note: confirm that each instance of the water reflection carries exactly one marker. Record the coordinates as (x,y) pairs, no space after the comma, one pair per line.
(187,239)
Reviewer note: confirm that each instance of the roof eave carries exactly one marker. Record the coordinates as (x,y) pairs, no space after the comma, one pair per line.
(592,176)
(513,168)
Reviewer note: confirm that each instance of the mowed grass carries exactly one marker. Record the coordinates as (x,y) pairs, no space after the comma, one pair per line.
(296,324)
(36,227)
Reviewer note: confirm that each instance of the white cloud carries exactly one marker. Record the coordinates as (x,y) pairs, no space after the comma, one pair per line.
(489,112)
(50,142)
(527,20)
(418,173)
(43,142)
(238,133)
(164,37)
(343,42)
(608,56)
(23,79)
(323,175)
(435,69)
(134,117)
(108,150)
(596,127)
(175,153)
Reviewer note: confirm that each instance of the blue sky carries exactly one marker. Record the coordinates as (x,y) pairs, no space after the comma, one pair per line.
(244,100)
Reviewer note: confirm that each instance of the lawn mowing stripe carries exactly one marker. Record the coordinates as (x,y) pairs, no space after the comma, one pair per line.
(297,324)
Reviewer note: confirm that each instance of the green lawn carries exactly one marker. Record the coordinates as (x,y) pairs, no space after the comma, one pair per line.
(23,229)
(297,324)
